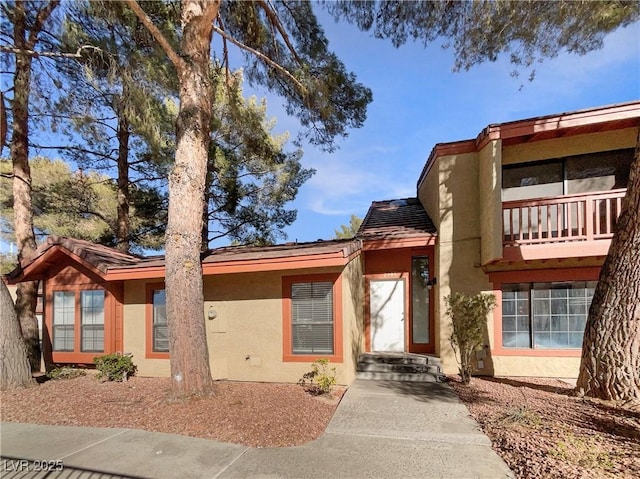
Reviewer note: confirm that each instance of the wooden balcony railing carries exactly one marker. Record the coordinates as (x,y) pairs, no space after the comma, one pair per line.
(561,219)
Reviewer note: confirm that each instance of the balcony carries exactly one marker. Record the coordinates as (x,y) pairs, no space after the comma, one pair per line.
(575,225)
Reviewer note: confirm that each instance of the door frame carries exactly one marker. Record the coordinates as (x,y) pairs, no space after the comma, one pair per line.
(430,347)
(367,304)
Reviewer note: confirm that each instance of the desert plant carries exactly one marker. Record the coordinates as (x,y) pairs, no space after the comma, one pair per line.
(114,367)
(468,318)
(65,372)
(320,379)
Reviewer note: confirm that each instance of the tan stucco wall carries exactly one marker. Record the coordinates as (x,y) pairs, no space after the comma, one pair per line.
(245,338)
(490,192)
(571,145)
(134,331)
(457,254)
(552,367)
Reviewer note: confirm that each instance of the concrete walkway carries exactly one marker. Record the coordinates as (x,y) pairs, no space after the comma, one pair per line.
(380,430)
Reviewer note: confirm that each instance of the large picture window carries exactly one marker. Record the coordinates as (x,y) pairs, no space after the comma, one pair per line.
(81,310)
(545,315)
(312,318)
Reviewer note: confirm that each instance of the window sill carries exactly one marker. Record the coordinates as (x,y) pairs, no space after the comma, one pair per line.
(156,355)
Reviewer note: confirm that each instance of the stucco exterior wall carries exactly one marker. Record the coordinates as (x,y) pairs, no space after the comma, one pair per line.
(549,366)
(457,253)
(570,145)
(246,336)
(134,328)
(490,194)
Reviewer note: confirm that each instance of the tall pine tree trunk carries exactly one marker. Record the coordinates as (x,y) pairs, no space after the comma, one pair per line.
(15,370)
(190,369)
(27,293)
(610,366)
(123,196)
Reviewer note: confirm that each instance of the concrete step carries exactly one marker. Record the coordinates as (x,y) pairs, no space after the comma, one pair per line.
(399,358)
(405,377)
(398,367)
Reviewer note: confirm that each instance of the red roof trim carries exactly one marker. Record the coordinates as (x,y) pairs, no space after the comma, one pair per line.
(34,268)
(619,115)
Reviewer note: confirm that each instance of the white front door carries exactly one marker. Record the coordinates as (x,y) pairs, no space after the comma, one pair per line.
(387,315)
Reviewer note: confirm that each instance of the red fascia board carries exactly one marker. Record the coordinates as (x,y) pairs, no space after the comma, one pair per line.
(565,121)
(246,266)
(521,128)
(32,270)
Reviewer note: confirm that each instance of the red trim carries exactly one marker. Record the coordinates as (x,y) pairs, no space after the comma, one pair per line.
(533,276)
(620,116)
(247,266)
(287,353)
(110,336)
(149,353)
(35,269)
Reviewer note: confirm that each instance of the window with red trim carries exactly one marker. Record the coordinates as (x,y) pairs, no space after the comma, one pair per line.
(312,310)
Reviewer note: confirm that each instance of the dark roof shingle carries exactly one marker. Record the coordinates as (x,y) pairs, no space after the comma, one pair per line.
(402,218)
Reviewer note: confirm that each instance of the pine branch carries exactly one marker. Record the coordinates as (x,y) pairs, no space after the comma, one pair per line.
(35,54)
(157,34)
(273,18)
(38,25)
(263,57)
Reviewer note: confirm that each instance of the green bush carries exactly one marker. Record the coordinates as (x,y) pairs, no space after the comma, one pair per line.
(114,367)
(320,379)
(65,372)
(469,319)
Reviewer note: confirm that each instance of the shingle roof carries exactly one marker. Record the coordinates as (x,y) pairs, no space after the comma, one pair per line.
(105,258)
(402,218)
(99,256)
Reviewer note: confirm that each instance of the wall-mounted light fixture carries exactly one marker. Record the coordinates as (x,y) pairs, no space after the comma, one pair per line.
(212,314)
(431,283)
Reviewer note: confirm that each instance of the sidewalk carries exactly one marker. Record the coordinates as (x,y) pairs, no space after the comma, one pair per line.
(380,429)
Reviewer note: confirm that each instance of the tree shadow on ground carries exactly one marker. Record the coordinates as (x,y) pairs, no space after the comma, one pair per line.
(430,391)
(520,383)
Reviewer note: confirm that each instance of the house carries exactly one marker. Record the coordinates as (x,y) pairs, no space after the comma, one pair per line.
(525,211)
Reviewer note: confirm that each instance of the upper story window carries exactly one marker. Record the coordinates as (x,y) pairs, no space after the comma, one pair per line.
(602,171)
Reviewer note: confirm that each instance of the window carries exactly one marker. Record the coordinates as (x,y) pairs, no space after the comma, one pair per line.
(64,318)
(312,318)
(89,317)
(160,328)
(545,315)
(92,320)
(156,328)
(602,171)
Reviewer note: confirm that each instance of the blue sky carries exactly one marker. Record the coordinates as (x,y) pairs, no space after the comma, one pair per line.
(418,101)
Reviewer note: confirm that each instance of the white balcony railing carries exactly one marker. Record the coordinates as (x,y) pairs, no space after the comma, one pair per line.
(561,219)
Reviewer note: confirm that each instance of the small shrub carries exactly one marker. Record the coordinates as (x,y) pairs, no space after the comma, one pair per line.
(320,379)
(65,372)
(521,415)
(469,319)
(114,367)
(583,452)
